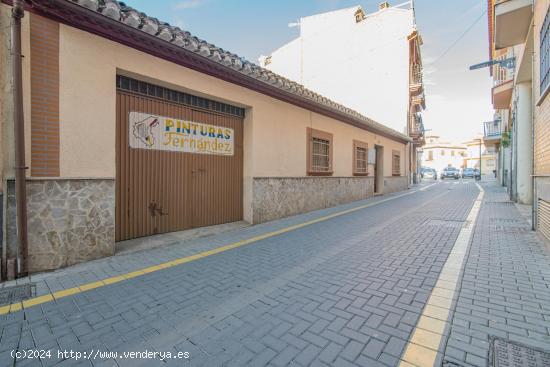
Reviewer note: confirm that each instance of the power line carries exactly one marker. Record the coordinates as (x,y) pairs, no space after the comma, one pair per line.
(459,38)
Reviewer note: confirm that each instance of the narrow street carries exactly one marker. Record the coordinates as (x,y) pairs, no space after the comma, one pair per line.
(347,290)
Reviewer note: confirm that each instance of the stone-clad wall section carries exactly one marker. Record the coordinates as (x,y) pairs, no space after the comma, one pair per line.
(279,197)
(69,221)
(395,183)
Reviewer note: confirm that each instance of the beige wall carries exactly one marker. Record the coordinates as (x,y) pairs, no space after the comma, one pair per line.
(274,131)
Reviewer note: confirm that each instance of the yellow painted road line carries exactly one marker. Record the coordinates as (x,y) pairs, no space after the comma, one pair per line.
(119,278)
(422,349)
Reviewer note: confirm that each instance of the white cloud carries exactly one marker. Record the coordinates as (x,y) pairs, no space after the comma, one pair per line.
(188,4)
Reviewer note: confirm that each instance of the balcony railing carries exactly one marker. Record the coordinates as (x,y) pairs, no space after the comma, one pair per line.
(501,73)
(416,74)
(417,125)
(492,129)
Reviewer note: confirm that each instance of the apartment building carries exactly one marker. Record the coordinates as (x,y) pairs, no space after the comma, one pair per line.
(376,63)
(520,37)
(511,39)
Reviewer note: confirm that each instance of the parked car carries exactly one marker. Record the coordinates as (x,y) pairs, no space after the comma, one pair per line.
(468,173)
(430,173)
(450,172)
(423,170)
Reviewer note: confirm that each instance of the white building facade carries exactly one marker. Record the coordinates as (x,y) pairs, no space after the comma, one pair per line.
(438,154)
(376,68)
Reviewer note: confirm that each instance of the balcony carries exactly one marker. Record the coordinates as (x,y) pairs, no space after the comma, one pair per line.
(492,131)
(416,86)
(418,102)
(502,95)
(503,85)
(512,21)
(417,130)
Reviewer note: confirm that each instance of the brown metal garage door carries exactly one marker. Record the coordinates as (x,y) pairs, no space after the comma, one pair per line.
(159,190)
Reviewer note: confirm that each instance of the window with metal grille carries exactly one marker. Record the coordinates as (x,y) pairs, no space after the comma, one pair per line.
(544,53)
(319,152)
(396,163)
(321,155)
(360,158)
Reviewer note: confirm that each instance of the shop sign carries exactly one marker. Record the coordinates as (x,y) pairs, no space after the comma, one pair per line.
(152,132)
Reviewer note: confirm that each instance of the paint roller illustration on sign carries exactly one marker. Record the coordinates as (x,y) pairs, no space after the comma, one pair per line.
(153,132)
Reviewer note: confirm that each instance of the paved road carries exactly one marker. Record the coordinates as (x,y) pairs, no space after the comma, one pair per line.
(347,291)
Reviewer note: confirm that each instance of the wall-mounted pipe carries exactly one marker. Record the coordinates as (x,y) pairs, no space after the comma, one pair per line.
(534,201)
(17,14)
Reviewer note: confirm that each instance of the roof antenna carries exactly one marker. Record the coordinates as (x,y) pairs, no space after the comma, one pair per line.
(414,14)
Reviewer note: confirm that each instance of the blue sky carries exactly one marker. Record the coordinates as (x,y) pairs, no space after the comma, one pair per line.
(458,100)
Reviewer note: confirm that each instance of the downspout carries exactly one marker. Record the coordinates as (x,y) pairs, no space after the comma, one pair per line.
(514,161)
(533,107)
(20,169)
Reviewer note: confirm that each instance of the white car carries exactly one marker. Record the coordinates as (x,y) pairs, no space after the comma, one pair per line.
(430,174)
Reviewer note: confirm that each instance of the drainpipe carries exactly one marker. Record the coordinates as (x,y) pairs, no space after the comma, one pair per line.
(534,200)
(19,128)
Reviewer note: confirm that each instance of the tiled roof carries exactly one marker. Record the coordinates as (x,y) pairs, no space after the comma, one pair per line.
(120,12)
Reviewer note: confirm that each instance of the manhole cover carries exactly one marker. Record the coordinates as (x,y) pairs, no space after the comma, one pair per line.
(501,203)
(508,224)
(17,293)
(445,223)
(505,228)
(510,354)
(505,221)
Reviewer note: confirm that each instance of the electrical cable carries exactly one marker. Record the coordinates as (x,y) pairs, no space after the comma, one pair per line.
(459,38)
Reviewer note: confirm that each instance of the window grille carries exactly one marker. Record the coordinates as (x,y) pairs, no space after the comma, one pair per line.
(396,164)
(319,152)
(360,160)
(321,155)
(544,53)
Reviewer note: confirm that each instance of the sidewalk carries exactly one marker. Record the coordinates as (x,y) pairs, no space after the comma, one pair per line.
(505,288)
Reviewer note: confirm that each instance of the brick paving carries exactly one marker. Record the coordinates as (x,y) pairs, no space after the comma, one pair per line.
(112,266)
(344,292)
(505,289)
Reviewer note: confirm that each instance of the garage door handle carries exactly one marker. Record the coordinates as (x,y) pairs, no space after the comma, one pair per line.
(155,209)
